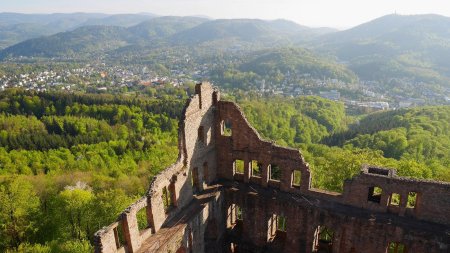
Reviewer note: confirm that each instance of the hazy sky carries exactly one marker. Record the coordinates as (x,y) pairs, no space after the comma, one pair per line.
(333,13)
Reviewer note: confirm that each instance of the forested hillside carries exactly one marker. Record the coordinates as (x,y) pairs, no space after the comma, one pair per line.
(69,164)
(415,141)
(295,61)
(421,134)
(277,66)
(413,47)
(293,121)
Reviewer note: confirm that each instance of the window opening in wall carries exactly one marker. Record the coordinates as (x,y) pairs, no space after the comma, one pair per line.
(394,199)
(374,194)
(201,134)
(119,236)
(235,215)
(239,215)
(238,166)
(378,171)
(194,178)
(412,200)
(256,168)
(281,223)
(296,178)
(166,199)
(231,215)
(275,172)
(141,217)
(276,226)
(396,247)
(226,127)
(323,240)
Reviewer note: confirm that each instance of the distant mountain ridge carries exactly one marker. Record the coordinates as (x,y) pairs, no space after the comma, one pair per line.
(171,30)
(16,27)
(415,47)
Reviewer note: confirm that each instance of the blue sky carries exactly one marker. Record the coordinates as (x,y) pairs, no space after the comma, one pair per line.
(332,13)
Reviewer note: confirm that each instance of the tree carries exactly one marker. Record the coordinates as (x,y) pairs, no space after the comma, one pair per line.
(75,211)
(19,209)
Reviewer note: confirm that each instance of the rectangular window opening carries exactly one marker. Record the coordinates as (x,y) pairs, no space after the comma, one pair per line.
(256,168)
(412,200)
(234,215)
(379,171)
(166,199)
(323,239)
(119,236)
(275,172)
(296,178)
(281,223)
(226,127)
(141,217)
(238,166)
(394,199)
(277,223)
(239,215)
(374,194)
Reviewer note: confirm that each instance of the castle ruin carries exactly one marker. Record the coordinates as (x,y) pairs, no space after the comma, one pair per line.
(231,191)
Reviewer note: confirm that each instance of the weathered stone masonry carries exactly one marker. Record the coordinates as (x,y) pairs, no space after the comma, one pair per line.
(231,191)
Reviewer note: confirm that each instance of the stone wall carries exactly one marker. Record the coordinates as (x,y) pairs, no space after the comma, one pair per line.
(173,189)
(232,191)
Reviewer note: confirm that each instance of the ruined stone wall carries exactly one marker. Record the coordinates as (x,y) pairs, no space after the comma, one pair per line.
(171,190)
(353,230)
(432,202)
(217,207)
